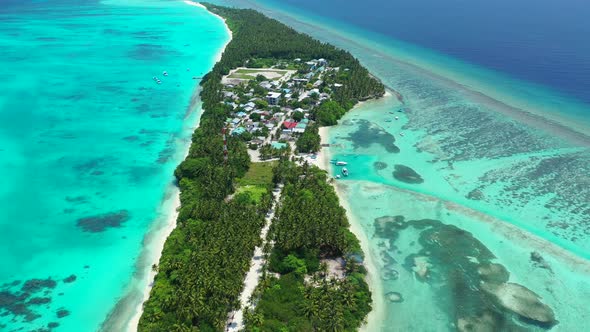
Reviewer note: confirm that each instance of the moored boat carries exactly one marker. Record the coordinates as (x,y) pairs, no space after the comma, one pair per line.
(341,163)
(344,171)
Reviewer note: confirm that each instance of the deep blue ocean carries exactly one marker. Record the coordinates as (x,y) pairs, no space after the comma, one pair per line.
(542,41)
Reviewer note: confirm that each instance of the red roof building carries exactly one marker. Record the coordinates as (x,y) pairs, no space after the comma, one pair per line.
(289,124)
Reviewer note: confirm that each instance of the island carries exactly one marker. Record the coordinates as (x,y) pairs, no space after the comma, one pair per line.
(251,205)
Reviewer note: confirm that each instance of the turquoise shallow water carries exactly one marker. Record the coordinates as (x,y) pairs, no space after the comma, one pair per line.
(480,168)
(500,215)
(88,144)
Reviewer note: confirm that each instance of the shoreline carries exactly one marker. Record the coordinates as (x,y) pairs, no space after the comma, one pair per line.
(377,312)
(227,29)
(155,239)
(174,208)
(161,235)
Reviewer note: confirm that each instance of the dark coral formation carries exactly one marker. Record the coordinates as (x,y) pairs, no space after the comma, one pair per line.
(395,297)
(70,279)
(23,302)
(39,300)
(379,165)
(539,261)
(463,272)
(476,195)
(407,175)
(61,313)
(369,133)
(35,285)
(100,223)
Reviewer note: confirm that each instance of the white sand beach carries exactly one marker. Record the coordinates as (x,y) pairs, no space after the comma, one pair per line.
(373,279)
(156,245)
(198,4)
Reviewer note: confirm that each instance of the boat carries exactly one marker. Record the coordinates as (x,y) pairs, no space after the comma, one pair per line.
(341,163)
(344,171)
(338,176)
(158,81)
(397,118)
(165,73)
(154,78)
(401,134)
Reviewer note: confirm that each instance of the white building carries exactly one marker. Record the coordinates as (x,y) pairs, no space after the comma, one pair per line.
(273,98)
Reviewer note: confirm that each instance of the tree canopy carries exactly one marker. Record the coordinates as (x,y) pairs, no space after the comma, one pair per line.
(310,225)
(309,141)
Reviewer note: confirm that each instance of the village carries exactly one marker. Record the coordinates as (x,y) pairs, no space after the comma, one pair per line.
(272,106)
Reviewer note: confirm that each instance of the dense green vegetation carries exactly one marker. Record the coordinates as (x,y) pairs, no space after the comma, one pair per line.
(310,140)
(201,271)
(310,225)
(328,113)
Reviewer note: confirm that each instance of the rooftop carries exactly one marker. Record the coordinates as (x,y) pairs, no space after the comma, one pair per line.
(289,124)
(278,145)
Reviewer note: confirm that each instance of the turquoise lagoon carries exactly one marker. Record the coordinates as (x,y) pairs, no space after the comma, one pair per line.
(88,145)
(479,170)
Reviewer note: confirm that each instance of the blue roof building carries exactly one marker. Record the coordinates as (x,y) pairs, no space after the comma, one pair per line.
(238,131)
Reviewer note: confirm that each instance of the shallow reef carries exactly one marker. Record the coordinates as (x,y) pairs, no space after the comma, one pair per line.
(379,165)
(369,133)
(407,175)
(463,273)
(100,223)
(22,302)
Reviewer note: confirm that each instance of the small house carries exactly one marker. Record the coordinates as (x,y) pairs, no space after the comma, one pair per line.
(300,128)
(289,124)
(238,131)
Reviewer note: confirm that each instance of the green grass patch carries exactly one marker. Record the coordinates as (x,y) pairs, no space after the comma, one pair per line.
(255,192)
(257,180)
(256,71)
(250,74)
(259,174)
